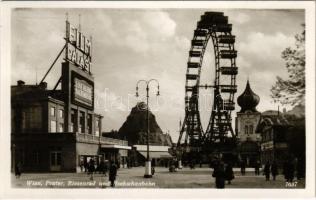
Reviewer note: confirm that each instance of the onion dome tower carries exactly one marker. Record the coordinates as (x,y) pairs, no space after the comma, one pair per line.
(248,100)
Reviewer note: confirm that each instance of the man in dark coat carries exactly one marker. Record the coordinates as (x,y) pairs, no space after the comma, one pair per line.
(267,171)
(91,168)
(229,174)
(112,174)
(288,171)
(257,167)
(102,168)
(243,167)
(274,170)
(219,174)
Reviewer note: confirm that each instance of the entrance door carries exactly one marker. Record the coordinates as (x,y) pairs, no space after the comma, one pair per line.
(55,161)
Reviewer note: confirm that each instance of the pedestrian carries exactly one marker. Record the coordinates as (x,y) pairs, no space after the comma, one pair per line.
(288,171)
(192,164)
(274,170)
(102,167)
(106,167)
(257,167)
(243,167)
(81,165)
(229,173)
(91,168)
(219,175)
(153,165)
(300,169)
(112,173)
(18,170)
(267,170)
(86,165)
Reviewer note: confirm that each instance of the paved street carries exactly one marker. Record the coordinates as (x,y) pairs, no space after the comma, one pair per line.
(131,178)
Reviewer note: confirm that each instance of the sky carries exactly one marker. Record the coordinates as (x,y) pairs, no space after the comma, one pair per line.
(133,44)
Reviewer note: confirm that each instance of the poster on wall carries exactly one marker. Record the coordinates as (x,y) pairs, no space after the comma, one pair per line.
(82,91)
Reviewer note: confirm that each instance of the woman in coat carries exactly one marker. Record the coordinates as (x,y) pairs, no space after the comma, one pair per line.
(219,174)
(229,174)
(274,170)
(267,171)
(112,174)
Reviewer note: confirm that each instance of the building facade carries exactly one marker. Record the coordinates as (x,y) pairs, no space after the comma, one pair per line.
(58,130)
(275,130)
(245,127)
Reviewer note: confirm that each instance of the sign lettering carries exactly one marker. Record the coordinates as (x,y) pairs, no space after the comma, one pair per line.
(78,48)
(83,91)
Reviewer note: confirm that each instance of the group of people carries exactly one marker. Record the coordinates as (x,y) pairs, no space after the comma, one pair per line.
(223,172)
(270,169)
(288,170)
(91,169)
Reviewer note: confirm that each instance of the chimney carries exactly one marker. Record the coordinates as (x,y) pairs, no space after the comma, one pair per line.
(20,83)
(43,85)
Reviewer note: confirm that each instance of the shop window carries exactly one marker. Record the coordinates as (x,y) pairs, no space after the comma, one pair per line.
(269,136)
(251,129)
(61,127)
(82,122)
(61,113)
(23,121)
(21,156)
(89,123)
(73,124)
(97,127)
(32,118)
(36,157)
(55,158)
(53,126)
(52,111)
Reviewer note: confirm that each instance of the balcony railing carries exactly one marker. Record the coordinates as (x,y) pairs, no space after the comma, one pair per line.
(96,139)
(66,136)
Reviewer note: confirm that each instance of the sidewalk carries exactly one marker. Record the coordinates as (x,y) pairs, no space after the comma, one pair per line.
(133,178)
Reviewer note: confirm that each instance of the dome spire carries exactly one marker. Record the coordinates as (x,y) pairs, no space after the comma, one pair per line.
(248,100)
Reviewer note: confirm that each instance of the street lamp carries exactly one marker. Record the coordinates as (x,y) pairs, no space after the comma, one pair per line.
(148,173)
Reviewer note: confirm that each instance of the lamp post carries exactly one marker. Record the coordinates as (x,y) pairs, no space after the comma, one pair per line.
(148,173)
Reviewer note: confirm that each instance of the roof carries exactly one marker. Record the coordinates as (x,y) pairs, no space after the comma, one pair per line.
(248,100)
(272,120)
(34,93)
(156,154)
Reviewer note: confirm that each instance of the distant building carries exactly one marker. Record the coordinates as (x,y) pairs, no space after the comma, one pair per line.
(159,155)
(245,126)
(283,138)
(275,130)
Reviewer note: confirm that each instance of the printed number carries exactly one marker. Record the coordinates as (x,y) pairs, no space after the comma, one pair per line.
(291,184)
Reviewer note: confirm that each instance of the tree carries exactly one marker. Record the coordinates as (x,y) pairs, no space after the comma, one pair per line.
(291,91)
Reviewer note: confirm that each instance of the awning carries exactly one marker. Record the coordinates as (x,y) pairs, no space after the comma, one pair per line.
(115,146)
(156,154)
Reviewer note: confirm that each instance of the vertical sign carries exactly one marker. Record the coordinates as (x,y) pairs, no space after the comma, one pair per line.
(78,48)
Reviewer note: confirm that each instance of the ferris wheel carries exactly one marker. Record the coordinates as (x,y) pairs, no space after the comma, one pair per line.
(212,26)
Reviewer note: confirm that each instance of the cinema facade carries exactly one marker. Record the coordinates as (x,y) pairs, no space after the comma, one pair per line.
(58,130)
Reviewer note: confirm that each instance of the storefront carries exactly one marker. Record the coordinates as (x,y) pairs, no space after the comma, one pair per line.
(159,155)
